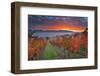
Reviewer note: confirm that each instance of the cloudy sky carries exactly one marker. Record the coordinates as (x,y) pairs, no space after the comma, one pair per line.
(43,22)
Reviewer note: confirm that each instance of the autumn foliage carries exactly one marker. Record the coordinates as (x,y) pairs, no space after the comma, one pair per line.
(35,45)
(71,43)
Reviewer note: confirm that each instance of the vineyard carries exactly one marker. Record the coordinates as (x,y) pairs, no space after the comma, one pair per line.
(58,47)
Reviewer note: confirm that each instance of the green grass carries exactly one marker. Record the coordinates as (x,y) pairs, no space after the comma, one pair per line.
(50,52)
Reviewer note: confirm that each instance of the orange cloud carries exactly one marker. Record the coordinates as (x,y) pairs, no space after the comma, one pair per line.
(60,27)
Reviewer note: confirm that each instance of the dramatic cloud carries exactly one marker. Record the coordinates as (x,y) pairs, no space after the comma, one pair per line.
(41,22)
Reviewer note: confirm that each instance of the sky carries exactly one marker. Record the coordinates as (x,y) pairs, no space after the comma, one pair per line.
(45,22)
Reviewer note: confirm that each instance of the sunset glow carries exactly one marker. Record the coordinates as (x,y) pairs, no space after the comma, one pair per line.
(60,27)
(57,37)
(41,22)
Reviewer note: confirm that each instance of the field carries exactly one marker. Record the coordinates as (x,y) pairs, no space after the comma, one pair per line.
(53,37)
(58,47)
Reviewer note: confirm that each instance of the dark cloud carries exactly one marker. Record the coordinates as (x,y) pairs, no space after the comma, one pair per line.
(35,20)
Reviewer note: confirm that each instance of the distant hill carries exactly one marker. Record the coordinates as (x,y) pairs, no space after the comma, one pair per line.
(52,31)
